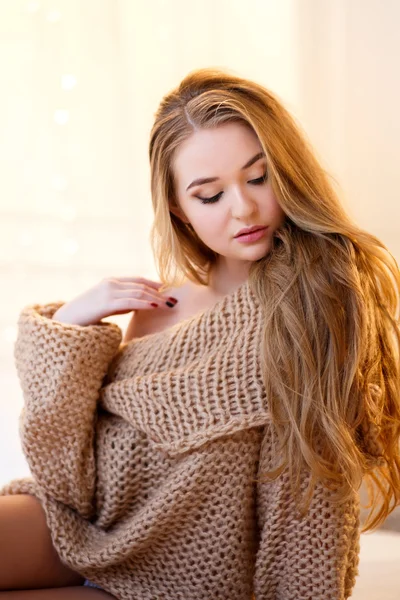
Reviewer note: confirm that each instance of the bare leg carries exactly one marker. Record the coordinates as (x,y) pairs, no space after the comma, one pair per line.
(28,558)
(65,593)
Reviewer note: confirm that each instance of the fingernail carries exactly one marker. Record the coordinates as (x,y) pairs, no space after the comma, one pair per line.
(174,300)
(170,304)
(154,304)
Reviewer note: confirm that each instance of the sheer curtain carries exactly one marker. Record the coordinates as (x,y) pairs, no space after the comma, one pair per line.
(80,84)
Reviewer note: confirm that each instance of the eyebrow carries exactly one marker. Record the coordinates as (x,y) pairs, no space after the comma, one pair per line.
(209,179)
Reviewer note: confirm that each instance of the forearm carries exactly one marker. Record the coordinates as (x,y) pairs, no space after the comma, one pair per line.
(61,368)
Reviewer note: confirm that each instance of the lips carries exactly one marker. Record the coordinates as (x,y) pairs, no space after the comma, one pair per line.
(252,230)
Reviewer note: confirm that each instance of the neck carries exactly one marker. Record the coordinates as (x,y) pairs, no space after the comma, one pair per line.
(224,278)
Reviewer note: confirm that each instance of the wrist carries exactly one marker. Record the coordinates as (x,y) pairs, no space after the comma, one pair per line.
(61,317)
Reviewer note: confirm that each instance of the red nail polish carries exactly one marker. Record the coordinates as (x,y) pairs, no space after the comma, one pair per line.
(172,299)
(154,304)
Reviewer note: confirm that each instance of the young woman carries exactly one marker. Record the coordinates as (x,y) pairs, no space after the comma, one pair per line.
(218,450)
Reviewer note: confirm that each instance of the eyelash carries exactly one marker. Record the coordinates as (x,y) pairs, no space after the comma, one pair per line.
(214,199)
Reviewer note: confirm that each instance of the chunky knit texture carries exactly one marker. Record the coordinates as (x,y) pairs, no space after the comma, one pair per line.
(144,456)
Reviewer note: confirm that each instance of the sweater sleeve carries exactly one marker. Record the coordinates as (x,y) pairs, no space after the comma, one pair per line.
(61,368)
(310,558)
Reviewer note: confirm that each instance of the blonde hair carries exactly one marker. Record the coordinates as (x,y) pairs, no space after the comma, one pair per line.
(329,292)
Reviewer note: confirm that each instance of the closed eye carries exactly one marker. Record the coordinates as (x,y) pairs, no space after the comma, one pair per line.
(215,198)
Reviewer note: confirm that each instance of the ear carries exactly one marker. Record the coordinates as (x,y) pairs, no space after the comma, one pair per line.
(178,212)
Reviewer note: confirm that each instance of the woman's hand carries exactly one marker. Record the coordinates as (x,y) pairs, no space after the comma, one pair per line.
(112,296)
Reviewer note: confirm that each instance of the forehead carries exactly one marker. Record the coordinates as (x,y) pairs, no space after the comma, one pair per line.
(213,152)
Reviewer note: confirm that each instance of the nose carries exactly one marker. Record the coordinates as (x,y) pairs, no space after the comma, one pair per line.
(243,204)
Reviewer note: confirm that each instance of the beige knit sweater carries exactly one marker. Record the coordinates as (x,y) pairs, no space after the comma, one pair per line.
(144,455)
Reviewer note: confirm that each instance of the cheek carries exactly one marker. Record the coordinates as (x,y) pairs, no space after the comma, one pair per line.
(210,219)
(211,228)
(276,209)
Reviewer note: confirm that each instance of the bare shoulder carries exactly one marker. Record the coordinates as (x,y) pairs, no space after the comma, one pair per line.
(192,298)
(144,322)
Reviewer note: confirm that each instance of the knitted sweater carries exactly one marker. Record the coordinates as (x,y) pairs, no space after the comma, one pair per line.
(144,456)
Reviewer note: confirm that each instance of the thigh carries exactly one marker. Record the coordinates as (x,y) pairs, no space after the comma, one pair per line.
(65,593)
(28,558)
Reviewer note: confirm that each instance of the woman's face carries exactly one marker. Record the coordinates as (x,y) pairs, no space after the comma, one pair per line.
(241,192)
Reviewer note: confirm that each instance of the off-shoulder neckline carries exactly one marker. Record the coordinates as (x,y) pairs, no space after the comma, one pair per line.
(202,314)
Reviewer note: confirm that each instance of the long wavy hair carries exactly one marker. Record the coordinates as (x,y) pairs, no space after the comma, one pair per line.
(329,291)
